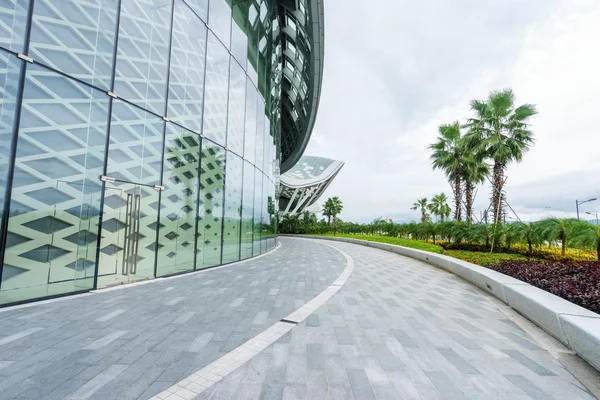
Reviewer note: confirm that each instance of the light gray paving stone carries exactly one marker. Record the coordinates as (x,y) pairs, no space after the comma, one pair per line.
(391,346)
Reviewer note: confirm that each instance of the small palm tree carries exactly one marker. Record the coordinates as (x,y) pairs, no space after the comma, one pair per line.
(530,233)
(562,230)
(332,207)
(500,132)
(421,205)
(439,206)
(448,156)
(589,236)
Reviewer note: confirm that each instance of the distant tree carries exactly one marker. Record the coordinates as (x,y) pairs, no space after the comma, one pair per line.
(333,206)
(439,206)
(421,205)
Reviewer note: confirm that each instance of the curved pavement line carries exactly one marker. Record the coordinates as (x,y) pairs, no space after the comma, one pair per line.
(214,372)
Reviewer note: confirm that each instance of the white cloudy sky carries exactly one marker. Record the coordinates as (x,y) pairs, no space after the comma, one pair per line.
(396,69)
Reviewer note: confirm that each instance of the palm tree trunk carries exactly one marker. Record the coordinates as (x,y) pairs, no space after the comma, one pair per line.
(598,250)
(457,197)
(529,243)
(497,192)
(469,201)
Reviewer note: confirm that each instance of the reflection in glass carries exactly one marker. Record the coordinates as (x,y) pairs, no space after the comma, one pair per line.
(136,145)
(179,201)
(258,195)
(186,80)
(76,38)
(247,211)
(128,242)
(200,7)
(144,35)
(237,99)
(250,123)
(14,21)
(210,206)
(217,81)
(54,210)
(233,208)
(219,19)
(239,38)
(10,70)
(260,134)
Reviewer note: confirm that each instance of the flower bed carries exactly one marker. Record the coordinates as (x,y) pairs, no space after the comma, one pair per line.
(577,282)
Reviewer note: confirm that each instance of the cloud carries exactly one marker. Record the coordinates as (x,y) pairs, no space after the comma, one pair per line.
(394,71)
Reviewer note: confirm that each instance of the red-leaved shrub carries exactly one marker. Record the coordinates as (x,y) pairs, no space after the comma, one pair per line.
(578,282)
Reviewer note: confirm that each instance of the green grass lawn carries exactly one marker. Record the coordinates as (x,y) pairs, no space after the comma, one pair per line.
(476,257)
(481,258)
(413,244)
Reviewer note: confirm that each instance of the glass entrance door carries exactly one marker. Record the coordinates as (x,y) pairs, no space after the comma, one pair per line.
(128,242)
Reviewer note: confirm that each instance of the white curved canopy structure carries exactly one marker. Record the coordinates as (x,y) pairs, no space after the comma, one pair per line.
(302,185)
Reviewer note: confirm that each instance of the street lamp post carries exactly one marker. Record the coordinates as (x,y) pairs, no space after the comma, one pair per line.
(578,203)
(596,214)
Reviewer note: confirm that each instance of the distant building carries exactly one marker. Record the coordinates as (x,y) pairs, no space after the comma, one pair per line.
(302,185)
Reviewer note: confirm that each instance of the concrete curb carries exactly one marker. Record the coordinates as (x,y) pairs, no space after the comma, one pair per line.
(574,326)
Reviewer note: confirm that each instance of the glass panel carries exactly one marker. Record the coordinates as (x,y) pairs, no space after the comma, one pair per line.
(13,14)
(266,219)
(260,134)
(54,210)
(200,7)
(129,219)
(217,80)
(10,70)
(144,33)
(233,208)
(250,124)
(76,37)
(239,38)
(179,201)
(186,81)
(258,182)
(247,210)
(210,206)
(237,99)
(219,19)
(136,145)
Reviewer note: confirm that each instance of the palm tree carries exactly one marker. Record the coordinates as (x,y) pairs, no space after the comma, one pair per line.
(500,132)
(439,206)
(474,172)
(531,233)
(421,205)
(336,206)
(554,229)
(589,236)
(448,156)
(327,210)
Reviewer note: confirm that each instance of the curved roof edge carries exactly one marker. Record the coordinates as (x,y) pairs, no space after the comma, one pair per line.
(296,194)
(317,35)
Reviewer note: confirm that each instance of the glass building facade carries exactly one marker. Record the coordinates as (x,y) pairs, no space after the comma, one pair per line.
(143,138)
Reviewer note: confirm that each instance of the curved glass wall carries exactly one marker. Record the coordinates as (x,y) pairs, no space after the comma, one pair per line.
(139,139)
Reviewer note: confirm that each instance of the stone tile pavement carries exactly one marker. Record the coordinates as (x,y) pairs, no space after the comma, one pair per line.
(397,329)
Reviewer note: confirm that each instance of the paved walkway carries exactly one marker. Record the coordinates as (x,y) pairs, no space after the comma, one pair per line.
(397,329)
